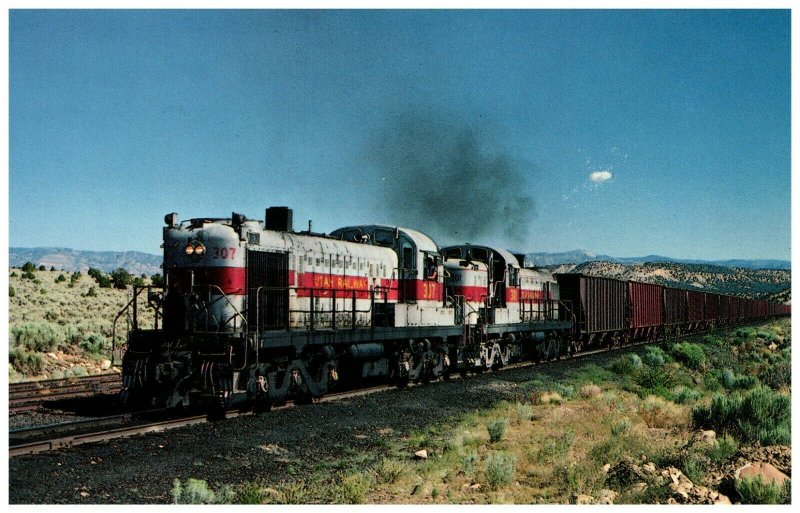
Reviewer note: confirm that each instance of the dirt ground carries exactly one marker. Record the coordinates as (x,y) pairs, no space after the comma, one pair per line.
(277,447)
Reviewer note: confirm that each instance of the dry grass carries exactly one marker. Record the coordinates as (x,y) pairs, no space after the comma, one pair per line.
(657,412)
(556,455)
(590,390)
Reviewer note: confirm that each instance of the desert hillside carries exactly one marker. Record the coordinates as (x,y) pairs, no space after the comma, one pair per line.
(60,323)
(770,284)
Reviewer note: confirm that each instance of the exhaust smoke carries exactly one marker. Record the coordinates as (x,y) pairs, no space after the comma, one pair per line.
(449,179)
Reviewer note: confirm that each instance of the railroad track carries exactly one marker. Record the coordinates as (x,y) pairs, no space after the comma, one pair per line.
(57,440)
(69,434)
(30,395)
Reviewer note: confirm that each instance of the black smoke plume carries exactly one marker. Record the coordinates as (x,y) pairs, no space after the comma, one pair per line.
(448,179)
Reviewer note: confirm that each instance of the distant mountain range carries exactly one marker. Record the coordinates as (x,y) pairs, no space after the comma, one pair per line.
(135,262)
(579,257)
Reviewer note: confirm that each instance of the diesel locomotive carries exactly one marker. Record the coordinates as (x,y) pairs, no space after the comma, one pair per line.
(254,312)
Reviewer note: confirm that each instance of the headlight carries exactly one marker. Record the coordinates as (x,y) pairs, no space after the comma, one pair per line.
(189,249)
(199,249)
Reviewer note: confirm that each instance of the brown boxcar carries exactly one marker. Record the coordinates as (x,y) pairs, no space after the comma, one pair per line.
(695,301)
(674,306)
(736,308)
(598,303)
(712,306)
(645,304)
(724,308)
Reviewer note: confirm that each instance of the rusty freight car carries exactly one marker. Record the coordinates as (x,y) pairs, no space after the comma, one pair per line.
(599,306)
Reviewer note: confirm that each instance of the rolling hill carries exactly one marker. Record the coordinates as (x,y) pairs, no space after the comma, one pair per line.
(753,283)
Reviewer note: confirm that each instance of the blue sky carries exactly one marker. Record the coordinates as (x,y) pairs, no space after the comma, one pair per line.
(119,117)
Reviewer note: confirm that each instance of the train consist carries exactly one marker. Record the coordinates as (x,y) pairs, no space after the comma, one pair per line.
(253,311)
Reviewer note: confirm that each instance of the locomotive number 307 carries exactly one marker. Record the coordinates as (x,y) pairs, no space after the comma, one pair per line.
(224,253)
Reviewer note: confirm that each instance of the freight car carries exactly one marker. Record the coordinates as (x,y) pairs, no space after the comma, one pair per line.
(252,311)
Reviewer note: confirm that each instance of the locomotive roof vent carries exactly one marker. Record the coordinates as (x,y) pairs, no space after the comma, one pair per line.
(278,219)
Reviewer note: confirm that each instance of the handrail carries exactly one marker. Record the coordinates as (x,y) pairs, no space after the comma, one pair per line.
(137,289)
(326,293)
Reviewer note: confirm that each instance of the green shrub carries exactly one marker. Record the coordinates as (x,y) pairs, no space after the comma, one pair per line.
(722,450)
(28,267)
(500,468)
(61,278)
(93,343)
(766,417)
(694,465)
(565,391)
(469,462)
(692,355)
(727,379)
(157,280)
(731,381)
(120,278)
(389,471)
(655,356)
(42,268)
(196,491)
(295,493)
(90,293)
(684,395)
(776,375)
(746,382)
(13,274)
(760,415)
(711,383)
(653,378)
(524,411)
(497,429)
(620,427)
(37,336)
(713,340)
(352,488)
(252,493)
(11,291)
(78,371)
(26,362)
(104,282)
(721,415)
(756,491)
(556,448)
(627,364)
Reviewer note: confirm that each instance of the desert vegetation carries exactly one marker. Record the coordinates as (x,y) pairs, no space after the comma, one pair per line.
(770,284)
(60,323)
(668,423)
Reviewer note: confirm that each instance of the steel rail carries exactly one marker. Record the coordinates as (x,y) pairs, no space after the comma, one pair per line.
(159,426)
